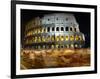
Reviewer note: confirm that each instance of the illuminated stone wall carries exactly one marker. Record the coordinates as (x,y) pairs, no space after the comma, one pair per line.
(58,30)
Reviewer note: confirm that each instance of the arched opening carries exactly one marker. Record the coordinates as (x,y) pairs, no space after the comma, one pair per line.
(76,37)
(66,38)
(57,29)
(43,39)
(62,46)
(52,46)
(71,29)
(52,38)
(80,38)
(62,38)
(72,45)
(48,29)
(57,45)
(71,37)
(66,28)
(48,38)
(35,39)
(57,38)
(39,39)
(53,29)
(76,45)
(62,28)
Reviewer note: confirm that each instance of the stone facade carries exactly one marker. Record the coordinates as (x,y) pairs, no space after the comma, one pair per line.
(57,30)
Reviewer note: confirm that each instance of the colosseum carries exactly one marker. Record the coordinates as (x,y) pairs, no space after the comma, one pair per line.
(56,30)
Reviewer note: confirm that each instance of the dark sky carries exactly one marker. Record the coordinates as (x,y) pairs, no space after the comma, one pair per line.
(82,18)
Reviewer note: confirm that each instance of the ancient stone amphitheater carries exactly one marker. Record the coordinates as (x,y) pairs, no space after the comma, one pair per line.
(57,30)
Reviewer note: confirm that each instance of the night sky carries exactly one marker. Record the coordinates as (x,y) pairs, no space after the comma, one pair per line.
(82,18)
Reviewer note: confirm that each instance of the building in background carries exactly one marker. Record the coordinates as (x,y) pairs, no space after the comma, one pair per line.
(57,30)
